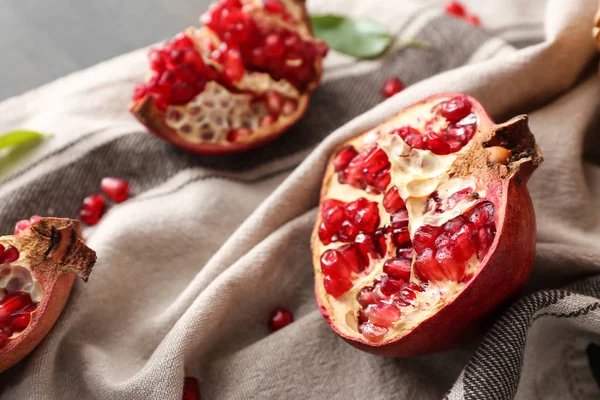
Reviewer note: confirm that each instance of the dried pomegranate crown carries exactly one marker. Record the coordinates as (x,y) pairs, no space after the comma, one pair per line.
(236,83)
(425,225)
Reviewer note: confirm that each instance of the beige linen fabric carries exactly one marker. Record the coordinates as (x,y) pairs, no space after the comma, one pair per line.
(190,268)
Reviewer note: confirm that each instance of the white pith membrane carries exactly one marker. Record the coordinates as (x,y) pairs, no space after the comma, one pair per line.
(215,112)
(16,277)
(417,174)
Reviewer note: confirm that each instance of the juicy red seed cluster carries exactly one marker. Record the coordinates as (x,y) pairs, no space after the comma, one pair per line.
(191,389)
(94,205)
(280,318)
(435,203)
(277,7)
(392,86)
(8,254)
(398,227)
(343,222)
(461,127)
(457,9)
(178,74)
(341,266)
(24,224)
(381,304)
(281,53)
(443,251)
(15,313)
(367,170)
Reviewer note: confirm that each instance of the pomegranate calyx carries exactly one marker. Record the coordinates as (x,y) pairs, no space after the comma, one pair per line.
(55,246)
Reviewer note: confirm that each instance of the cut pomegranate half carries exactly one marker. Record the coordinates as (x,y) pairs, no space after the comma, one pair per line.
(38,266)
(425,226)
(238,82)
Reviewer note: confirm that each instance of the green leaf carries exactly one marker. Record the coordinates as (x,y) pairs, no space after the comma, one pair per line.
(357,37)
(18,137)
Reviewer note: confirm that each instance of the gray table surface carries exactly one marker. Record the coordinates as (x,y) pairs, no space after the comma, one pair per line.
(41,40)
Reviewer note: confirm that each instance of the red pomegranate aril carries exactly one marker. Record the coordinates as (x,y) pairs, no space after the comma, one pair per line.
(482,214)
(405,252)
(456,109)
(400,219)
(273,6)
(10,254)
(392,86)
(473,20)
(398,268)
(425,237)
(116,189)
(191,389)
(12,303)
(92,209)
(280,318)
(157,62)
(438,145)
(427,267)
(373,332)
(443,240)
(367,218)
(450,268)
(21,225)
(462,244)
(274,45)
(400,236)
(455,8)
(390,286)
(182,93)
(274,102)
(408,295)
(384,315)
(348,231)
(392,201)
(233,68)
(289,106)
(21,321)
(336,287)
(365,297)
(455,224)
(333,264)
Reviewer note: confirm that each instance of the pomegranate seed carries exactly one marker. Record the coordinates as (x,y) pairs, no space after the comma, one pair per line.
(191,389)
(343,157)
(367,218)
(405,252)
(400,236)
(334,264)
(373,332)
(157,60)
(13,303)
(398,268)
(384,315)
(92,209)
(442,240)
(450,267)
(455,8)
(425,237)
(274,102)
(273,45)
(10,254)
(482,214)
(438,146)
(474,20)
(365,297)
(391,87)
(21,321)
(462,244)
(233,68)
(407,295)
(392,201)
(273,6)
(334,217)
(116,189)
(289,106)
(192,57)
(400,219)
(348,231)
(280,318)
(21,225)
(236,134)
(336,287)
(427,267)
(182,93)
(456,108)
(390,286)
(267,120)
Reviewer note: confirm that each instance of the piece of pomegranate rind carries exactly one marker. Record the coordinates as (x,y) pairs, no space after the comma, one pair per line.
(235,84)
(425,226)
(38,265)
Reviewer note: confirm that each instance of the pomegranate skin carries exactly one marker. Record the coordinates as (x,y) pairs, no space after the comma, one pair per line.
(503,271)
(56,268)
(153,119)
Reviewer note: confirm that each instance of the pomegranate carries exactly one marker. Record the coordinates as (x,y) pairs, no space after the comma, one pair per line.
(116,189)
(238,82)
(38,266)
(425,226)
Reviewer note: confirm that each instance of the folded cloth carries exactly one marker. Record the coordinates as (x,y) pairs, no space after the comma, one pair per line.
(190,268)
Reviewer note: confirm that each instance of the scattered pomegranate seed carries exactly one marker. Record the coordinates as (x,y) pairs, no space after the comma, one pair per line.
(474,20)
(116,189)
(456,8)
(92,209)
(280,318)
(391,87)
(191,389)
